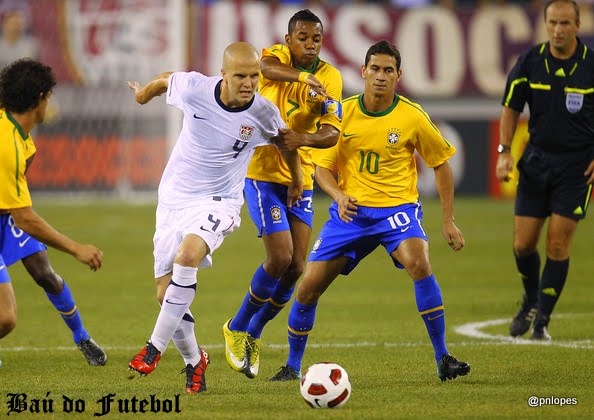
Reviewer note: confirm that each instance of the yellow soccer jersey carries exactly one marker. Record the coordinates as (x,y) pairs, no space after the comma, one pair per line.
(301,109)
(374,155)
(15,148)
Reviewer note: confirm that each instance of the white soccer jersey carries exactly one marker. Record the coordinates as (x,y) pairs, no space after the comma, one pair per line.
(216,143)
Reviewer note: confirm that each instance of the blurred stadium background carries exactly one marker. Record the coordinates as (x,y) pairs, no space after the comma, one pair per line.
(456,55)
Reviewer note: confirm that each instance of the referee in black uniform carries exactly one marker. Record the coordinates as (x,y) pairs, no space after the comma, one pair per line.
(556,79)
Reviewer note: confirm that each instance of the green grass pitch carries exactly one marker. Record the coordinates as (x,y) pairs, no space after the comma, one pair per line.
(367,322)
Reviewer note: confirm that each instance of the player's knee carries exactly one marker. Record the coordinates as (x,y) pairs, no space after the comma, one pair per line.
(557,250)
(523,249)
(48,280)
(188,257)
(419,268)
(277,264)
(7,323)
(293,273)
(307,296)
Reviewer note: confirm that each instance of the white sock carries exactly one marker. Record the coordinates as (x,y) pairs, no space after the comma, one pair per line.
(178,298)
(185,340)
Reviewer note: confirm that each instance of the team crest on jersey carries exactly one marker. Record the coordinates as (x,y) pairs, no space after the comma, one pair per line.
(393,137)
(574,102)
(245,132)
(311,94)
(275,213)
(316,245)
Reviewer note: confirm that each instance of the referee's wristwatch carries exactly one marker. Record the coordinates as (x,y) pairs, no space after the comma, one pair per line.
(502,148)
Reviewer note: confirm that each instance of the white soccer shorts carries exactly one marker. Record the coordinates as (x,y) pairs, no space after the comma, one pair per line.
(212,222)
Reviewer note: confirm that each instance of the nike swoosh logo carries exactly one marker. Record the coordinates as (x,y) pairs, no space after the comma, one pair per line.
(198,117)
(404,229)
(206,230)
(2,267)
(22,244)
(347,135)
(438,316)
(173,303)
(238,363)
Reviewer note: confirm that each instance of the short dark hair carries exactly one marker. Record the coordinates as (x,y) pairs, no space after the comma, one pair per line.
(572,2)
(304,15)
(23,84)
(384,47)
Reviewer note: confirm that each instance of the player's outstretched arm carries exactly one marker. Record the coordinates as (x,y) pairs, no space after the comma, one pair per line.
(325,137)
(272,68)
(156,87)
(507,126)
(346,203)
(26,219)
(295,192)
(444,179)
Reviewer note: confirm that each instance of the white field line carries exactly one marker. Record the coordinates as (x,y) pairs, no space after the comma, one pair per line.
(472,329)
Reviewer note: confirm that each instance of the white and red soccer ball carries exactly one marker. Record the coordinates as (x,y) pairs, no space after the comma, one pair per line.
(325,385)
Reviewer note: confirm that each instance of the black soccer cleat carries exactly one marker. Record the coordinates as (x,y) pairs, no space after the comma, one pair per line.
(539,330)
(93,353)
(449,368)
(286,373)
(523,319)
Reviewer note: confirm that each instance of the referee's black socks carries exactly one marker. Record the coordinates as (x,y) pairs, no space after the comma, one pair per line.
(529,268)
(551,284)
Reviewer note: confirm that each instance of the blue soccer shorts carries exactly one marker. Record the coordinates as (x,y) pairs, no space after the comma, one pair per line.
(371,227)
(16,244)
(267,204)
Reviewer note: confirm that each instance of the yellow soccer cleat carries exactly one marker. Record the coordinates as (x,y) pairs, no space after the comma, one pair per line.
(253,357)
(235,347)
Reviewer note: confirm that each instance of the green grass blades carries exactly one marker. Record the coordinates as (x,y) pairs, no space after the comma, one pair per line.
(366,322)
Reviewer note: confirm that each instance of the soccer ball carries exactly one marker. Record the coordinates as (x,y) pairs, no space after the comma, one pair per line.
(325,385)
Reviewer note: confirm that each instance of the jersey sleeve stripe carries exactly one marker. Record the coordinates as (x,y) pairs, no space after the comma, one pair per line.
(427,118)
(511,89)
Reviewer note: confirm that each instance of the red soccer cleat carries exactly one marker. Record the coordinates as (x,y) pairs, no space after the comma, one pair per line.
(146,360)
(195,380)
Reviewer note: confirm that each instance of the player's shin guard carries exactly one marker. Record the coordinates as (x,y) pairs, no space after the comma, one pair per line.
(430,306)
(301,322)
(261,288)
(185,340)
(271,309)
(65,305)
(178,297)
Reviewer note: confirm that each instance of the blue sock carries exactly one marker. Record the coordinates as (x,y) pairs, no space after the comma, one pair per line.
(430,306)
(64,303)
(261,289)
(277,302)
(301,322)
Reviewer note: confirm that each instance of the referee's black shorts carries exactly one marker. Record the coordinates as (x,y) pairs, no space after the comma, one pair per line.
(553,183)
